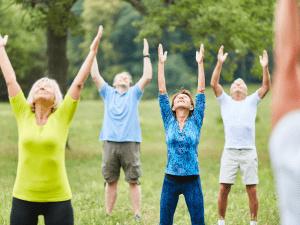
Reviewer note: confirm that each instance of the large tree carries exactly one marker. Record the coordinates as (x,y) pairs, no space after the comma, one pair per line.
(26,49)
(56,17)
(239,25)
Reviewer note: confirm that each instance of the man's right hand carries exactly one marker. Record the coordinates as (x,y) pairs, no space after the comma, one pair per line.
(222,57)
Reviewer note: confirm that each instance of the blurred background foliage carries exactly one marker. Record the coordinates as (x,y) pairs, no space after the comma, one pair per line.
(244,27)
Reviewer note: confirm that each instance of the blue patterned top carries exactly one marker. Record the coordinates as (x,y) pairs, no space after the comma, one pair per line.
(182,146)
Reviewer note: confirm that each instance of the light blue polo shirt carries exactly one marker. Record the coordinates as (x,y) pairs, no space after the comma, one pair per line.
(121,115)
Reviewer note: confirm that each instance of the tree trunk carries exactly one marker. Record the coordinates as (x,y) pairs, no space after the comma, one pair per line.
(57,62)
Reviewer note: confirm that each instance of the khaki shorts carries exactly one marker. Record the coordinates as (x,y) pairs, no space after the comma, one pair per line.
(232,160)
(121,154)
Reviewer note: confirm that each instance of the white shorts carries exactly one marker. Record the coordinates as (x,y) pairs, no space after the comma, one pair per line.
(232,160)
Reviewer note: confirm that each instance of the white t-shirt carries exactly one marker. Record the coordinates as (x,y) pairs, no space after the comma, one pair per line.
(284,148)
(239,120)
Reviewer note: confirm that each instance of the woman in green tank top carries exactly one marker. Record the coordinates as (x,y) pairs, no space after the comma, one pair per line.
(41,186)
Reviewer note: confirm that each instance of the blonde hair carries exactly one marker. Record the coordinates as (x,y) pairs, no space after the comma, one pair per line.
(58,94)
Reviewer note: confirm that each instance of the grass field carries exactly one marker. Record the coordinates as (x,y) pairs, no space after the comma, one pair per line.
(83,164)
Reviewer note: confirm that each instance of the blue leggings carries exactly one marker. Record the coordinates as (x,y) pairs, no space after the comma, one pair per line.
(193,197)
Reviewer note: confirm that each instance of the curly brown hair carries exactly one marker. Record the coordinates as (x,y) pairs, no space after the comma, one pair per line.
(186,92)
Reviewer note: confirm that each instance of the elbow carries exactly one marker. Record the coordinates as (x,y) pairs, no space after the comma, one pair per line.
(148,79)
(94,78)
(10,82)
(212,84)
(79,86)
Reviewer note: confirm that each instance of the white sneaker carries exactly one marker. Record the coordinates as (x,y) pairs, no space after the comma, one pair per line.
(253,222)
(222,222)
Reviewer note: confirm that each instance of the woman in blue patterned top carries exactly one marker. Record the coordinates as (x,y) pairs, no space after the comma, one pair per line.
(182,121)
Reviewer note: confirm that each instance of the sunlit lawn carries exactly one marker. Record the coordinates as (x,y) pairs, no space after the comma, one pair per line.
(83,163)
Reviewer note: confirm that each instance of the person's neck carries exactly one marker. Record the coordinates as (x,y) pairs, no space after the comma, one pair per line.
(121,89)
(182,115)
(238,96)
(42,112)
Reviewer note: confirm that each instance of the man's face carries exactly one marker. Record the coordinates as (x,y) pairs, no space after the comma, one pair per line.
(122,80)
(238,87)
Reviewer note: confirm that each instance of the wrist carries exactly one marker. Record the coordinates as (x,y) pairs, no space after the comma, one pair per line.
(265,67)
(220,62)
(161,63)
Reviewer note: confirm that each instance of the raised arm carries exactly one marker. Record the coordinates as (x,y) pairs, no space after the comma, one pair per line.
(147,73)
(201,77)
(286,94)
(99,81)
(8,72)
(77,85)
(162,57)
(214,83)
(266,83)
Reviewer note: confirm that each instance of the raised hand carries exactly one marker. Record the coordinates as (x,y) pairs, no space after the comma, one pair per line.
(146,47)
(222,57)
(95,44)
(3,41)
(200,54)
(264,60)
(162,57)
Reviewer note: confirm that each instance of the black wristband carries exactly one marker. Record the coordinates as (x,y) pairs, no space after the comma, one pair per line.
(147,56)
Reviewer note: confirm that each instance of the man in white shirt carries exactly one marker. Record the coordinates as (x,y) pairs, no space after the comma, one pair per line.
(238,113)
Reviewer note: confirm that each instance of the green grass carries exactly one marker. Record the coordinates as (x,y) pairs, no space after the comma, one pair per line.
(83,164)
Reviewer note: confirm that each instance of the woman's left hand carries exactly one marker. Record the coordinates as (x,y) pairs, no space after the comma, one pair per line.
(95,44)
(200,54)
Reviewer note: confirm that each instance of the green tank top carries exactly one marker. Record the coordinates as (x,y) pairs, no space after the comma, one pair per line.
(41,174)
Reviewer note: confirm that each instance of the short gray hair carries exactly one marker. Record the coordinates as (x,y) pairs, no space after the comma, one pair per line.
(239,79)
(58,94)
(128,74)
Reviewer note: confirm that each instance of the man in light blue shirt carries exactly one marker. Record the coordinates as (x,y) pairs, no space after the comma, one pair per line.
(121,132)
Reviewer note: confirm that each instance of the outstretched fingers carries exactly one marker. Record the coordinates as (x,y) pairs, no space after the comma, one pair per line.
(146,47)
(200,54)
(160,49)
(95,44)
(202,48)
(3,41)
(162,56)
(221,49)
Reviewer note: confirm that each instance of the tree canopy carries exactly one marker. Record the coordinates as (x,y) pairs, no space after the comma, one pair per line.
(239,25)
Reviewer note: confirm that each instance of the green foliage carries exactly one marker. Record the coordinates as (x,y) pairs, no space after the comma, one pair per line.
(241,26)
(177,75)
(102,12)
(54,14)
(118,52)
(25,49)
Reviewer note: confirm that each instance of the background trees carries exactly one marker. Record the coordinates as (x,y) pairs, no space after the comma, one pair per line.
(56,35)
